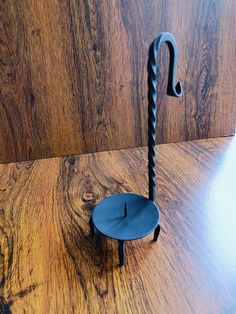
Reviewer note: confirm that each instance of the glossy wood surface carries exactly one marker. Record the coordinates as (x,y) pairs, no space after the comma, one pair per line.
(73,74)
(49,263)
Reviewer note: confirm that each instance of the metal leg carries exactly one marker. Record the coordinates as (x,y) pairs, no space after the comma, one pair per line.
(122,252)
(156,233)
(92,227)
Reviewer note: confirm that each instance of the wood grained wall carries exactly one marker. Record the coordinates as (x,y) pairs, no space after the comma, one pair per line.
(73,74)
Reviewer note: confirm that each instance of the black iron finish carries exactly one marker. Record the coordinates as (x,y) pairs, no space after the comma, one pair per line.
(126,211)
(121,252)
(110,219)
(92,227)
(128,216)
(173,89)
(156,233)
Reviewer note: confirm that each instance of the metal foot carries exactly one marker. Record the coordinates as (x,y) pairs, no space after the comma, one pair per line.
(92,227)
(156,233)
(122,252)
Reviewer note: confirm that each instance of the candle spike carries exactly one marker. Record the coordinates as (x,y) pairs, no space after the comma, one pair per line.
(126,210)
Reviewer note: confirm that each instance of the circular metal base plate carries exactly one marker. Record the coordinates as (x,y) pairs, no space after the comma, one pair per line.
(109,216)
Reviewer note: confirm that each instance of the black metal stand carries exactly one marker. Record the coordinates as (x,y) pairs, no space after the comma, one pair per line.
(92,227)
(122,252)
(173,89)
(127,216)
(156,233)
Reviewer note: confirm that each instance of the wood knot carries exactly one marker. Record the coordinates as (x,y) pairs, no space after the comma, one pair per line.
(89,197)
(32,98)
(36,32)
(71,160)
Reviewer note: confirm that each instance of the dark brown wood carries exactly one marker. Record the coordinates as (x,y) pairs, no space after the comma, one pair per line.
(73,74)
(50,263)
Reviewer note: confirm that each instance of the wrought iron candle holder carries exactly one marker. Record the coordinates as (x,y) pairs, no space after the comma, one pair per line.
(128,216)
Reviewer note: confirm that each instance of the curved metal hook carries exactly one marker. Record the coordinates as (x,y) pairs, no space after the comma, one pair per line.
(173,89)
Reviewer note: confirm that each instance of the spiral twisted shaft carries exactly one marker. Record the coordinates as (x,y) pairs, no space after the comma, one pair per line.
(152,109)
(172,90)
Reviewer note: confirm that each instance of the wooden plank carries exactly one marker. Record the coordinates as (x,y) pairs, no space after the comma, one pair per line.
(73,74)
(49,263)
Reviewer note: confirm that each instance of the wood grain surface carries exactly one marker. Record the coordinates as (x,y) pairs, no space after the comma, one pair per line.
(73,74)
(49,263)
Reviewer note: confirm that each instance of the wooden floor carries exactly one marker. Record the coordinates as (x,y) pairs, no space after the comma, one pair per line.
(49,263)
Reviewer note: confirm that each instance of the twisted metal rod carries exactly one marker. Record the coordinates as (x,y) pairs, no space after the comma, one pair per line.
(173,89)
